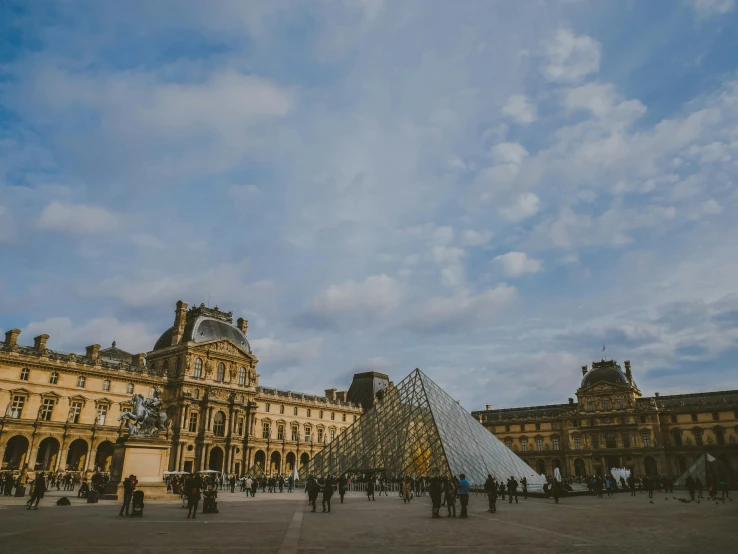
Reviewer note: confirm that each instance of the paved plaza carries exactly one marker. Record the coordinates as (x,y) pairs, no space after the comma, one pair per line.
(283,523)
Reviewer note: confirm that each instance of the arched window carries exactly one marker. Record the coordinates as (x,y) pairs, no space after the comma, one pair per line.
(197,371)
(242,377)
(508,443)
(219,424)
(220,375)
(81,381)
(54,378)
(129,388)
(24,374)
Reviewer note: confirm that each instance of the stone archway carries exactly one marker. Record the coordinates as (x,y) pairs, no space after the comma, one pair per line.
(48,452)
(260,460)
(104,457)
(77,455)
(216,459)
(304,459)
(275,462)
(16,452)
(580,469)
(650,466)
(541,467)
(290,462)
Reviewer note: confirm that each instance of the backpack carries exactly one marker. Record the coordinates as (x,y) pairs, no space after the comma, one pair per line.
(63,501)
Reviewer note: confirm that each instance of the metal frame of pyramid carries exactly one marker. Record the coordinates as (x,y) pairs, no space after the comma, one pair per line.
(417,429)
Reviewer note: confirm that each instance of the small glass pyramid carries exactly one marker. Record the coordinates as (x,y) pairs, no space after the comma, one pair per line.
(418,430)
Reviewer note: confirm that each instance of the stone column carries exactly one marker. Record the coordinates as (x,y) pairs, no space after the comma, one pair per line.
(91,457)
(206,449)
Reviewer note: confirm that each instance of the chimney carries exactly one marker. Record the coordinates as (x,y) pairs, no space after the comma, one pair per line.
(11,338)
(628,373)
(584,370)
(180,315)
(39,342)
(571,401)
(341,395)
(137,360)
(330,394)
(93,351)
(488,407)
(243,325)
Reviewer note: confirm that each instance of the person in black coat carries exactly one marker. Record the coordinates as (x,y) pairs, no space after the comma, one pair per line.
(313,489)
(342,482)
(39,488)
(193,486)
(490,487)
(436,491)
(370,488)
(327,493)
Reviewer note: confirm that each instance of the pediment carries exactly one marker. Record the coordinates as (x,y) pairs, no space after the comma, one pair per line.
(599,388)
(224,346)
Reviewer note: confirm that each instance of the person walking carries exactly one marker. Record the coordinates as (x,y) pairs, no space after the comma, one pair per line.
(194,487)
(128,487)
(524,484)
(512,489)
(699,487)
(690,486)
(451,488)
(490,487)
(463,494)
(38,490)
(327,493)
(608,487)
(313,489)
(435,494)
(406,490)
(342,482)
(556,490)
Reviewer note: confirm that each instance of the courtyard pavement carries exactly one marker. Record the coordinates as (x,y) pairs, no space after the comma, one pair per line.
(283,523)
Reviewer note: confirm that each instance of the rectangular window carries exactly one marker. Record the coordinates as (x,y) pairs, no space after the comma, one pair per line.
(267,407)
(620,403)
(523,445)
(74,411)
(281,408)
(47,408)
(646,440)
(320,435)
(280,432)
(294,411)
(538,426)
(344,417)
(265,430)
(555,426)
(355,417)
(715,416)
(522,426)
(308,431)
(24,374)
(102,412)
(575,423)
(605,404)
(106,385)
(54,378)
(592,422)
(239,427)
(626,439)
(508,443)
(16,408)
(295,433)
(308,412)
(673,418)
(507,428)
(332,434)
(81,381)
(694,417)
(576,443)
(697,436)
(333,416)
(320,414)
(643,419)
(720,436)
(193,422)
(610,440)
(595,441)
(555,441)
(539,445)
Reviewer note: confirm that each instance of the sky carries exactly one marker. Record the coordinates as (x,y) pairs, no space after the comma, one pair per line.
(487,190)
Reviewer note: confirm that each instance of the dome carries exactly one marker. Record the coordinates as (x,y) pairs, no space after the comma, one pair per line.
(204,329)
(606,371)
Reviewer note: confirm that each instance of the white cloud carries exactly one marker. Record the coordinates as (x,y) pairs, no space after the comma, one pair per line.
(378,295)
(515,264)
(706,208)
(508,153)
(462,310)
(707,8)
(569,57)
(603,100)
(279,353)
(447,254)
(520,109)
(452,276)
(471,237)
(376,363)
(443,235)
(77,218)
(64,335)
(525,206)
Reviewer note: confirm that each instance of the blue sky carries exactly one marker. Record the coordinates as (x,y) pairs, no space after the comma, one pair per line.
(486,190)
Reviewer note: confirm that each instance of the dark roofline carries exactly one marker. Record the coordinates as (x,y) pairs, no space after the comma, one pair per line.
(544,407)
(690,395)
(371,374)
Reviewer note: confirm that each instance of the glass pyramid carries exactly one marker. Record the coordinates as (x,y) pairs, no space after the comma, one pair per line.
(418,430)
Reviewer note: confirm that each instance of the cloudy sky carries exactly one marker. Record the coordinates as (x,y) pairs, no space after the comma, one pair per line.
(486,190)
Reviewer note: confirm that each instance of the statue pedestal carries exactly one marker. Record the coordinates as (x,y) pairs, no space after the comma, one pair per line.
(147,459)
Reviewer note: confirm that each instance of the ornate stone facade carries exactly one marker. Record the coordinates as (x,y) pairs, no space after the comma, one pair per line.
(61,410)
(612,425)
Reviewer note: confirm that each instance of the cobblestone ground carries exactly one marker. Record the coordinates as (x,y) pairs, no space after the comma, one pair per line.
(283,523)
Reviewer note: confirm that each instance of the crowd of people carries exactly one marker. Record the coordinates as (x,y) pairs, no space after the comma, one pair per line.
(12,482)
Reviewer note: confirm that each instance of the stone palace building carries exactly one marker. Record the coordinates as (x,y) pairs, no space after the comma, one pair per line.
(612,425)
(61,409)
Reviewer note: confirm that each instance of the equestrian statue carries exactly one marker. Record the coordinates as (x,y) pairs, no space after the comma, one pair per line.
(146,418)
